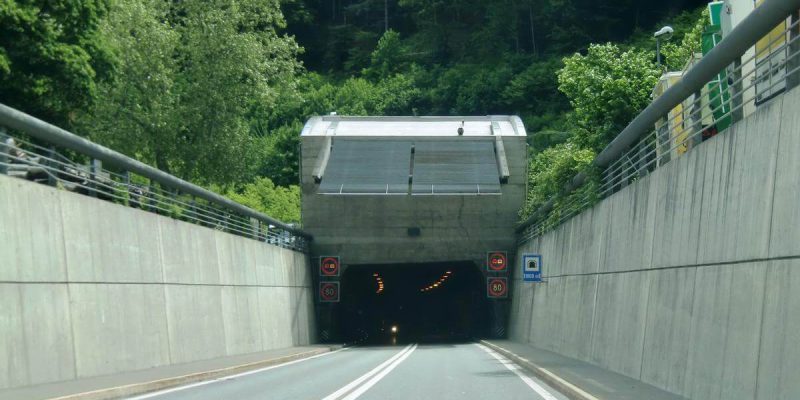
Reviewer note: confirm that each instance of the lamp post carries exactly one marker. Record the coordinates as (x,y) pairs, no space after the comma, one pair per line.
(665,34)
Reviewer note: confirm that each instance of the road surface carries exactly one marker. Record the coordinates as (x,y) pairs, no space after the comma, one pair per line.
(466,371)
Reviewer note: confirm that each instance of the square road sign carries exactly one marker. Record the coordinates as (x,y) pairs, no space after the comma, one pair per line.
(532,267)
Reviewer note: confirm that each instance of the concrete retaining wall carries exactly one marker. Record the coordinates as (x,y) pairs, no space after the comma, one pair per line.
(689,279)
(90,288)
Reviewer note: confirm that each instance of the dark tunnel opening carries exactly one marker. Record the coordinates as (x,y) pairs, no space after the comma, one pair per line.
(431,302)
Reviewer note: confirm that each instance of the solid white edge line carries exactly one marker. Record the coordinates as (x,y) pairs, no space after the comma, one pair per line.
(363,388)
(350,386)
(515,369)
(582,393)
(224,378)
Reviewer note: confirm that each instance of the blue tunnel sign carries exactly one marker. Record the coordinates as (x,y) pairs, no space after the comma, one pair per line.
(532,267)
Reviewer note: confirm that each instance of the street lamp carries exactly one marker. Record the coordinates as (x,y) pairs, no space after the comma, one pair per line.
(664,34)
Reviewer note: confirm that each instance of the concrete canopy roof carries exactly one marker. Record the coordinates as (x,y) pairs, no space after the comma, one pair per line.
(334,125)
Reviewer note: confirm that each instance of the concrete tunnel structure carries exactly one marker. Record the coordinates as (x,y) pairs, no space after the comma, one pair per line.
(411,198)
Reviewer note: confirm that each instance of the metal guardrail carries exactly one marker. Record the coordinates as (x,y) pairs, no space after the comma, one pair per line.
(758,60)
(131,183)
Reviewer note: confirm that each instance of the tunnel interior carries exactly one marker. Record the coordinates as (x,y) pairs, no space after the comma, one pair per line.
(430,302)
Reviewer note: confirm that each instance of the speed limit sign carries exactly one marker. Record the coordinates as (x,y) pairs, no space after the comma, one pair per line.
(497,288)
(329,292)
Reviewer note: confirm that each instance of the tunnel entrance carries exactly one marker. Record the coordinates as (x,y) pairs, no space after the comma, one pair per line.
(428,302)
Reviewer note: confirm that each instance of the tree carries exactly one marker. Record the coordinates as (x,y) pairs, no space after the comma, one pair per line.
(607,88)
(281,160)
(281,203)
(52,56)
(550,170)
(191,74)
(387,58)
(533,94)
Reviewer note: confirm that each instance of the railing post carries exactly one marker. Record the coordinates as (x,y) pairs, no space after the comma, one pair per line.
(191,213)
(4,151)
(52,166)
(696,122)
(94,170)
(737,93)
(254,227)
(127,181)
(151,198)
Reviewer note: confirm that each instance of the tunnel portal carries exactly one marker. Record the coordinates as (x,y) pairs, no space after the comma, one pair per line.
(408,199)
(426,302)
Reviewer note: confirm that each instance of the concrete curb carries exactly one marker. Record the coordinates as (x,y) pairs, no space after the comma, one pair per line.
(566,388)
(160,384)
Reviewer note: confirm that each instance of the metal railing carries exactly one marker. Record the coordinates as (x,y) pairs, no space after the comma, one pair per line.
(758,60)
(34,150)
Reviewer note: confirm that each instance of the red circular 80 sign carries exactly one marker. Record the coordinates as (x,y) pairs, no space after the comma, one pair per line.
(329,266)
(329,292)
(497,287)
(497,261)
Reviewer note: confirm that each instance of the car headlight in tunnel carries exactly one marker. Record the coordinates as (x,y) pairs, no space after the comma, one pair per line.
(394,328)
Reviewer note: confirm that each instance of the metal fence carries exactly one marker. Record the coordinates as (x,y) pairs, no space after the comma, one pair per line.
(34,150)
(757,61)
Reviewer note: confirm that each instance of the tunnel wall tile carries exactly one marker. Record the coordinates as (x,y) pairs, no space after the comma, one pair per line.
(785,228)
(778,366)
(128,320)
(31,243)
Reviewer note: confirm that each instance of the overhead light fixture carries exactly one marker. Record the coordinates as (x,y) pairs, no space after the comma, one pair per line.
(664,34)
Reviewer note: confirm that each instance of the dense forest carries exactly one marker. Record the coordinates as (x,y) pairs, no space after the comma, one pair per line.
(216,91)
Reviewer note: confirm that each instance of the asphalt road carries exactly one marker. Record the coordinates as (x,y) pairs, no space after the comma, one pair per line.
(436,371)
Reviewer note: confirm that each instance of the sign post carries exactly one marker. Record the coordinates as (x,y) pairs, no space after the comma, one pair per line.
(329,292)
(329,266)
(497,287)
(532,267)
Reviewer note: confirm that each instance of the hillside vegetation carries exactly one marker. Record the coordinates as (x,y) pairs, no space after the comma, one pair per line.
(216,92)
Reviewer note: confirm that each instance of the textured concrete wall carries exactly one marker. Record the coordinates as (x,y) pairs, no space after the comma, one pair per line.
(90,288)
(689,279)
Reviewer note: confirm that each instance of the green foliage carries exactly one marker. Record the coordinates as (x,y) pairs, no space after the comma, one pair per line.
(678,51)
(281,159)
(317,95)
(607,88)
(355,96)
(470,89)
(387,59)
(191,75)
(213,90)
(688,26)
(282,203)
(550,170)
(51,56)
(535,89)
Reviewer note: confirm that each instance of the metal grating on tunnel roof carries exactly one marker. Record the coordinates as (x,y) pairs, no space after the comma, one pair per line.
(367,167)
(455,167)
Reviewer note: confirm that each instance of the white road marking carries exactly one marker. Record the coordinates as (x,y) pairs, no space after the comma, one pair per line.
(224,378)
(363,388)
(515,369)
(377,372)
(581,393)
